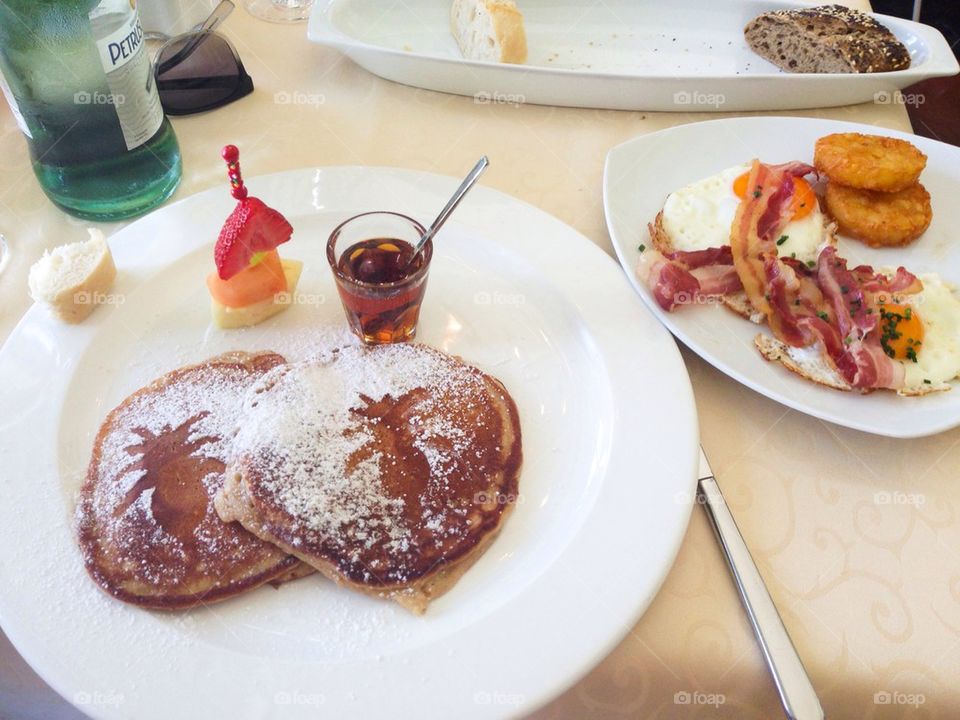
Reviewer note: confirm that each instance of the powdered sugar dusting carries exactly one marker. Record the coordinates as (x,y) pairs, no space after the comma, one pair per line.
(374,456)
(146,512)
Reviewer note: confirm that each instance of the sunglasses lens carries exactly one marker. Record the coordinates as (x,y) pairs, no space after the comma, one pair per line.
(197,72)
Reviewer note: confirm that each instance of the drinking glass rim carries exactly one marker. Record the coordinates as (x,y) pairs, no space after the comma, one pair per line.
(332,257)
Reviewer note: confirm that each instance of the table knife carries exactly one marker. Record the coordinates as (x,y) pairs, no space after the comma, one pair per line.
(797,695)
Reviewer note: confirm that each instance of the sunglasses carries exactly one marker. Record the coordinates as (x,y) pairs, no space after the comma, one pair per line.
(200,70)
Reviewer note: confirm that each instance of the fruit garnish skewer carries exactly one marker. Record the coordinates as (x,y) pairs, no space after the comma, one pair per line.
(251,281)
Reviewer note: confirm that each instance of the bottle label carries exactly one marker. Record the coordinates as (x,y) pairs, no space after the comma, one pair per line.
(133,92)
(14,108)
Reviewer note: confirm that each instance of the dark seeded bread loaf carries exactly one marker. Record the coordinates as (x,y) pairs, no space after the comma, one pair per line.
(826,39)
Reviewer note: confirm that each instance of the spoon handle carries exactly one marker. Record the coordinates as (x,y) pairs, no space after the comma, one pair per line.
(465,186)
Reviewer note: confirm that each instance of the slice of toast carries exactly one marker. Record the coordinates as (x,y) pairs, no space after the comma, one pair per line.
(826,39)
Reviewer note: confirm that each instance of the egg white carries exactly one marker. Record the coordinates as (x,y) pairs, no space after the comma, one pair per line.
(938,360)
(699,216)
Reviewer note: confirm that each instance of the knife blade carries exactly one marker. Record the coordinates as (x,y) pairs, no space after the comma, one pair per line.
(797,695)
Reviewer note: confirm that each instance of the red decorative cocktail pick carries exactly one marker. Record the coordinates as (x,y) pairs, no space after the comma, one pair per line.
(231,154)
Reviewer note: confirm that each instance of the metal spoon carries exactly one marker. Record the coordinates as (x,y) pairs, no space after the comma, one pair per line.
(464,188)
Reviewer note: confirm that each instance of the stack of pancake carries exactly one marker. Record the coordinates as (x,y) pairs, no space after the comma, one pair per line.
(389,470)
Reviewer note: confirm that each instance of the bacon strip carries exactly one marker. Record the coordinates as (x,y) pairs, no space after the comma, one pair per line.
(851,308)
(903,282)
(717,279)
(828,305)
(693,259)
(683,277)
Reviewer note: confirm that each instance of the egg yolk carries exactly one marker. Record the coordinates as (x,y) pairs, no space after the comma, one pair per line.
(803,200)
(901,331)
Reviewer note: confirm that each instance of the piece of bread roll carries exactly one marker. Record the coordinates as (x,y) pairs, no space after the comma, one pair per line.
(826,39)
(489,30)
(72,278)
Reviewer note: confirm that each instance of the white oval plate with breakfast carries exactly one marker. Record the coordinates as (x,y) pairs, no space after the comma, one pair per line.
(641,173)
(682,56)
(609,440)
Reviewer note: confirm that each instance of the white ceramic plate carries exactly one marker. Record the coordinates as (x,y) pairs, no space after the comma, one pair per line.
(610,443)
(639,175)
(685,55)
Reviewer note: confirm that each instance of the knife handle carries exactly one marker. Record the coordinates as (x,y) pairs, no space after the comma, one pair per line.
(796,692)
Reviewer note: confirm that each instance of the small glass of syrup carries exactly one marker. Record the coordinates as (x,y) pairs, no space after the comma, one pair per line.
(381,289)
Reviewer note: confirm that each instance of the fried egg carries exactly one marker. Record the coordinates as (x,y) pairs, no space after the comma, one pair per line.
(699,216)
(922,332)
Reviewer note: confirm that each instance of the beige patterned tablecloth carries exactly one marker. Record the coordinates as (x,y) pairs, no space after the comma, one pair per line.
(857,537)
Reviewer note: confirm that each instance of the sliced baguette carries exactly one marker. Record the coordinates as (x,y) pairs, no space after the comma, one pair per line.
(826,39)
(490,30)
(71,279)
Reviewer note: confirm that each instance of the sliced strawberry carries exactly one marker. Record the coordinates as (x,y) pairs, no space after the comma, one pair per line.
(252,228)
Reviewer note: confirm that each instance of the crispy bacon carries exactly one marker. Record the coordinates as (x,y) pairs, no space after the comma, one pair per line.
(827,305)
(760,217)
(871,366)
(783,287)
(747,246)
(717,279)
(794,168)
(682,277)
(903,281)
(693,259)
(671,283)
(832,306)
(851,309)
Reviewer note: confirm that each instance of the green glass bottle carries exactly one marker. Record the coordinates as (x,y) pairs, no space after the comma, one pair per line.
(78,79)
